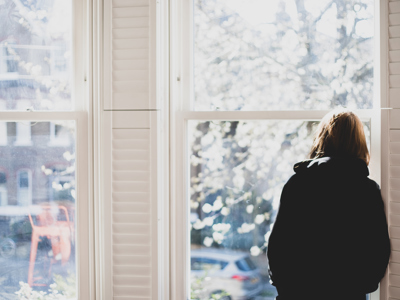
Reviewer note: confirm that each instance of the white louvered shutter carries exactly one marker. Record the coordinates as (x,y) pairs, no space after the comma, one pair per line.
(392,152)
(129,151)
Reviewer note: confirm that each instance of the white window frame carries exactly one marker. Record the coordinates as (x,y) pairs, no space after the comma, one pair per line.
(181,87)
(82,104)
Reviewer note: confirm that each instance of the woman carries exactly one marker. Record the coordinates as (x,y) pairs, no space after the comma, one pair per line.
(330,238)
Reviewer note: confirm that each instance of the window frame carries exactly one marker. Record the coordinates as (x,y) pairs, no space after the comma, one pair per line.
(181,88)
(81,98)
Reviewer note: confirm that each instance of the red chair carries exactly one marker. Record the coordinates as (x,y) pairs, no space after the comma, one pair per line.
(58,232)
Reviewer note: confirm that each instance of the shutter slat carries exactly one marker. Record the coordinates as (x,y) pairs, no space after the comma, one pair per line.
(131,218)
(394,31)
(131,239)
(131,270)
(395,243)
(394,171)
(130,186)
(130,298)
(394,184)
(394,135)
(121,75)
(394,68)
(394,232)
(137,260)
(130,250)
(130,197)
(394,280)
(131,144)
(130,175)
(395,208)
(394,81)
(142,134)
(122,44)
(394,291)
(394,220)
(131,120)
(394,196)
(394,118)
(131,54)
(119,154)
(394,7)
(395,257)
(140,22)
(394,148)
(127,100)
(131,229)
(394,19)
(131,207)
(131,86)
(133,89)
(394,97)
(394,268)
(132,280)
(130,33)
(394,159)
(131,64)
(127,165)
(394,56)
(132,12)
(131,290)
(130,3)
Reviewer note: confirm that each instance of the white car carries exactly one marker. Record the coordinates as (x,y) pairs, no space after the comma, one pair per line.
(223,274)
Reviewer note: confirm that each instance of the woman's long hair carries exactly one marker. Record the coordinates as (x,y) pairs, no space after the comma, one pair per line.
(340,134)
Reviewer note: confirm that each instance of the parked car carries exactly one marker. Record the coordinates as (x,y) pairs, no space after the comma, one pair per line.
(223,274)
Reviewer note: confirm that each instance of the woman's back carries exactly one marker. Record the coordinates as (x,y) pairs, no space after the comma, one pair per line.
(330,236)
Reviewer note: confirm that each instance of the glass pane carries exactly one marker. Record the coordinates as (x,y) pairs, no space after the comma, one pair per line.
(35,55)
(237,172)
(37,212)
(283,54)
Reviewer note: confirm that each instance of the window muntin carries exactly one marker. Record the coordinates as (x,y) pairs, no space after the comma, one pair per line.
(36,58)
(283,55)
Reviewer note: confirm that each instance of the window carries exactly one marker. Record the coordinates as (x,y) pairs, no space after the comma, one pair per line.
(251,81)
(23,134)
(24,187)
(7,63)
(3,189)
(43,116)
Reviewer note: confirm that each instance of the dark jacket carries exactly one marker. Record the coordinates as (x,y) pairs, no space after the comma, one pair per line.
(330,236)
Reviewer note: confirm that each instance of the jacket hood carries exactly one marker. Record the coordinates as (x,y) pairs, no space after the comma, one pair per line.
(334,165)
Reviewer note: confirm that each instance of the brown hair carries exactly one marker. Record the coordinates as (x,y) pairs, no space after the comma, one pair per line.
(340,134)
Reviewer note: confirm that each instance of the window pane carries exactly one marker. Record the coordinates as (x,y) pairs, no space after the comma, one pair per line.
(283,54)
(237,172)
(35,55)
(37,212)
